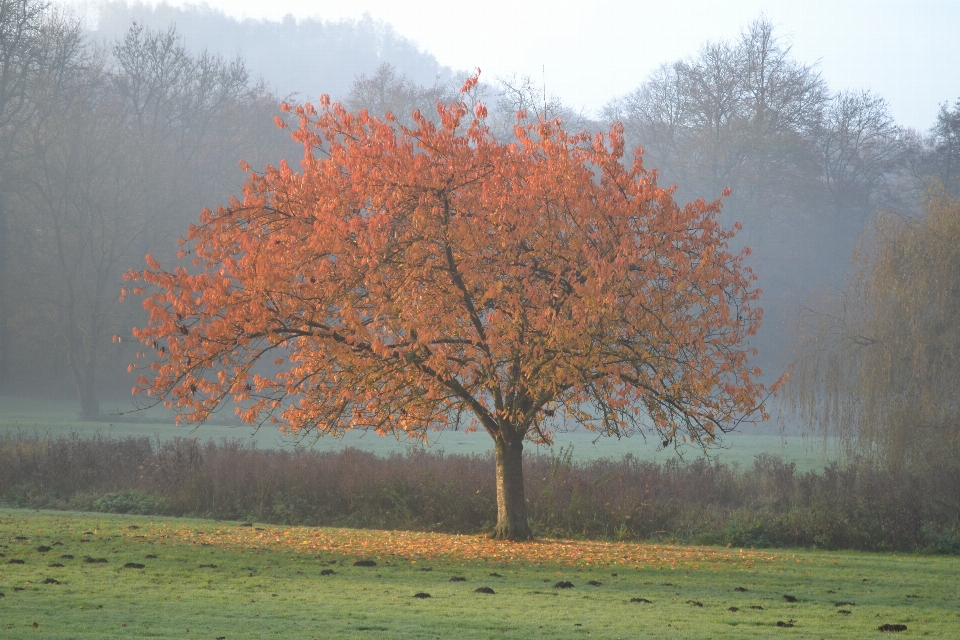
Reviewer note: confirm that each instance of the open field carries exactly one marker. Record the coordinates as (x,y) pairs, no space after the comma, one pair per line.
(79,576)
(59,418)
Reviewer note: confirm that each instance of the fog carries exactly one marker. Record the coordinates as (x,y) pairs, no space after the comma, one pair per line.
(114,136)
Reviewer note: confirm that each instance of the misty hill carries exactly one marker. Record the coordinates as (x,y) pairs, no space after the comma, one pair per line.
(307,57)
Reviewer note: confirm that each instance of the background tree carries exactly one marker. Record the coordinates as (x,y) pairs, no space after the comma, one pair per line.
(859,146)
(878,365)
(806,167)
(940,160)
(388,90)
(120,149)
(411,279)
(34,40)
(299,57)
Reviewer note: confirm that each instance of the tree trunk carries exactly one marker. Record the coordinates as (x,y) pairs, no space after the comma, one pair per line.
(83,364)
(5,342)
(512,521)
(89,405)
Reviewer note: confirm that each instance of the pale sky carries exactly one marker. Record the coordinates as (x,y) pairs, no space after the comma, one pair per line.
(590,52)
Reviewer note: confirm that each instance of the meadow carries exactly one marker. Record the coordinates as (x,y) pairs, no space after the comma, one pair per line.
(73,575)
(58,418)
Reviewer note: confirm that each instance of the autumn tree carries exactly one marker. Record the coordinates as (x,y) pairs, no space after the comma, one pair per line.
(877,363)
(408,279)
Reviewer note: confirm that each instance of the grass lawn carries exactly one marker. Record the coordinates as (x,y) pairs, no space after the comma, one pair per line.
(69,575)
(55,418)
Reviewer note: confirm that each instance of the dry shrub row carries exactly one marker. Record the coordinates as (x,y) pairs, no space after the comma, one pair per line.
(855,506)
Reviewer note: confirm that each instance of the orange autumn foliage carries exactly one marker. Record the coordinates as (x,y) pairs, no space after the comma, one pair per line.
(409,279)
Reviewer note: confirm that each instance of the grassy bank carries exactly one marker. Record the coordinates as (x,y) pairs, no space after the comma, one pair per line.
(224,580)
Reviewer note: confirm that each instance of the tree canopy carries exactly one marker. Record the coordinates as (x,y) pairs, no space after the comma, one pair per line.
(424,277)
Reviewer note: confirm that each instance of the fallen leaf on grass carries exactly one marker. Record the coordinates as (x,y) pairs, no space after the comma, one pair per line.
(418,546)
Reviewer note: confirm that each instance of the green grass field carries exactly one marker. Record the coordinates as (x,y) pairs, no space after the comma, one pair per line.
(59,418)
(71,575)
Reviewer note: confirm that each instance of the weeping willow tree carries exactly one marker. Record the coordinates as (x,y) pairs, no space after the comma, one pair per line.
(879,364)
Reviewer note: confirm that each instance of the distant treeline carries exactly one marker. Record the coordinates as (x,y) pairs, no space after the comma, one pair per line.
(305,56)
(112,141)
(852,506)
(106,154)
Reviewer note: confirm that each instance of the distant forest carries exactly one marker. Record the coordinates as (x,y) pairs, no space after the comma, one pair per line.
(296,58)
(113,140)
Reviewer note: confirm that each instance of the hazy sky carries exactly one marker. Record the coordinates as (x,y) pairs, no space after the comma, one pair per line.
(590,52)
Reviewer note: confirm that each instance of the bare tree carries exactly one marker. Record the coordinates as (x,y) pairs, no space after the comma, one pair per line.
(34,39)
(124,150)
(859,146)
(387,90)
(806,168)
(510,96)
(940,159)
(84,193)
(656,115)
